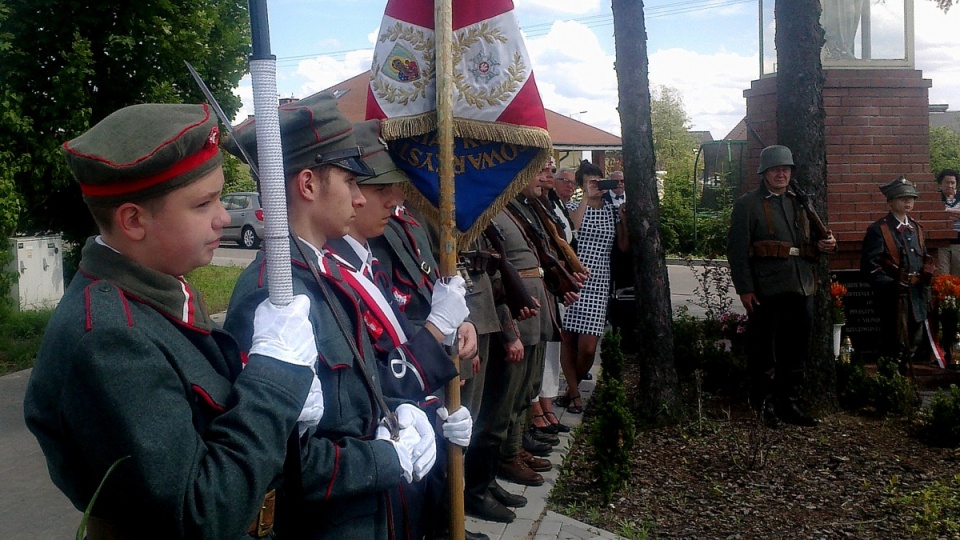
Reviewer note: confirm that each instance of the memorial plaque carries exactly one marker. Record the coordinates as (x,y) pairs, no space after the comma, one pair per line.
(863,322)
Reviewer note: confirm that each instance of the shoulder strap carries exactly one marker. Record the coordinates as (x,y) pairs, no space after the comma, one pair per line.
(890,243)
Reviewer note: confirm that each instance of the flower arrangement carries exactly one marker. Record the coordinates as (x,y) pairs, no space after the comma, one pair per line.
(837,292)
(946,292)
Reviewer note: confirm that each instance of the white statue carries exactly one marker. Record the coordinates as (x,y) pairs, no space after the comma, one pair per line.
(841,18)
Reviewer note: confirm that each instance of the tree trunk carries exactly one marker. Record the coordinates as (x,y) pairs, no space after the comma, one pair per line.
(659,396)
(800,126)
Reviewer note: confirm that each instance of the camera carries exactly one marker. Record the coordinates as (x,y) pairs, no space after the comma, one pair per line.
(607,184)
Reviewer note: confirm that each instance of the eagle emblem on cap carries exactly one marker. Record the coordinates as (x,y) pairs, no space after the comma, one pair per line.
(214,137)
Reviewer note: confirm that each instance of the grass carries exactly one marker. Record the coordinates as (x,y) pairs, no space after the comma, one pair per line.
(21,332)
(216,284)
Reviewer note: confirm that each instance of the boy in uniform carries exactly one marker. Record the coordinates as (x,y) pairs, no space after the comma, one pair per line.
(131,367)
(894,256)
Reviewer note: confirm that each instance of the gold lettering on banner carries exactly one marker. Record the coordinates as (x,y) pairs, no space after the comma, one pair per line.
(420,158)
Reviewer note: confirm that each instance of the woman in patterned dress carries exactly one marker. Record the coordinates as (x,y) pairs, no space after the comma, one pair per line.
(598,223)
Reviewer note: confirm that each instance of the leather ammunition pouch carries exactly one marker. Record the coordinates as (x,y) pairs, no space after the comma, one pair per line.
(780,250)
(105,529)
(480,261)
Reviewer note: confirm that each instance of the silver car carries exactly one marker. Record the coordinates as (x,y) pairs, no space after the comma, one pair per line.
(246,219)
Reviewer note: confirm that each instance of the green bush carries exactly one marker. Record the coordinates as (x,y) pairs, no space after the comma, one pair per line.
(886,393)
(940,423)
(935,509)
(702,345)
(612,434)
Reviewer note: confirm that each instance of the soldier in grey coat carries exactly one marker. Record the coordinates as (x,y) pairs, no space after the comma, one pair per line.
(131,367)
(773,256)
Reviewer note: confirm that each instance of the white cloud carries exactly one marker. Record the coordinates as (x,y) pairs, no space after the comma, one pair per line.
(324,71)
(937,52)
(575,74)
(711,85)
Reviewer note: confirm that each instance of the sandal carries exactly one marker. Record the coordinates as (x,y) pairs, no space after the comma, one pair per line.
(560,428)
(561,401)
(576,406)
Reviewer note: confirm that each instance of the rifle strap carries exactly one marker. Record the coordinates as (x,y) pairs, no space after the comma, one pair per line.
(374,390)
(525,227)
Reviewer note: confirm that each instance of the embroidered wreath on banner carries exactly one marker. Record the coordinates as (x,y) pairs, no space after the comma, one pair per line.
(420,42)
(498,94)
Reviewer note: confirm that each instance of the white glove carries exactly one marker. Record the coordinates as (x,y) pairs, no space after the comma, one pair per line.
(312,410)
(448,307)
(402,449)
(285,333)
(415,428)
(457,427)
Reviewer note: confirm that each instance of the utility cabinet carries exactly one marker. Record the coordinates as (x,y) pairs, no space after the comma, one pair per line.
(38,265)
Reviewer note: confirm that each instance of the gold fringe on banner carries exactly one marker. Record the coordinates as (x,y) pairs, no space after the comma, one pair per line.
(432,213)
(412,126)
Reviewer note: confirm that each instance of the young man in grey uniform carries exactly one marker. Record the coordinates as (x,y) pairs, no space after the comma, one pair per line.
(350,464)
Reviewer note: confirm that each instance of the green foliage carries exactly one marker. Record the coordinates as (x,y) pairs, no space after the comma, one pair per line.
(886,393)
(935,508)
(703,348)
(20,335)
(236,175)
(944,148)
(215,284)
(940,423)
(681,229)
(66,65)
(612,434)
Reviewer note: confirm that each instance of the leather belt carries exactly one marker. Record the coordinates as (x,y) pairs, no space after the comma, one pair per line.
(536,272)
(262,525)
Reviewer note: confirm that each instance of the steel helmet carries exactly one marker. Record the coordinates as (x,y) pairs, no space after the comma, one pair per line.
(773,156)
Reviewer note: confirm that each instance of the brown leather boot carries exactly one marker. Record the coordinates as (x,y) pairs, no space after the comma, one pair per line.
(536,464)
(515,470)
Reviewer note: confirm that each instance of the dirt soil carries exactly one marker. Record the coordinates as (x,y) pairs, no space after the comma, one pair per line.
(726,476)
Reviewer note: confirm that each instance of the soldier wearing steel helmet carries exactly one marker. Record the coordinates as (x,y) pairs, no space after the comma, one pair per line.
(773,259)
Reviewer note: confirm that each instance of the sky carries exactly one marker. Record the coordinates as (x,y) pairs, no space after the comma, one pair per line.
(708,50)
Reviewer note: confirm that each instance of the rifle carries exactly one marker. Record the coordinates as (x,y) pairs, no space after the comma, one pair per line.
(556,278)
(551,223)
(515,294)
(807,204)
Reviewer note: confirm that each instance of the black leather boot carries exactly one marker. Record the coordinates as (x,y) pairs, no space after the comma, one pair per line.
(535,447)
(505,497)
(479,471)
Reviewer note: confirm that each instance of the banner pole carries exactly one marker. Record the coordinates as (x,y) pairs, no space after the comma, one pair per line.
(263,72)
(443,31)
